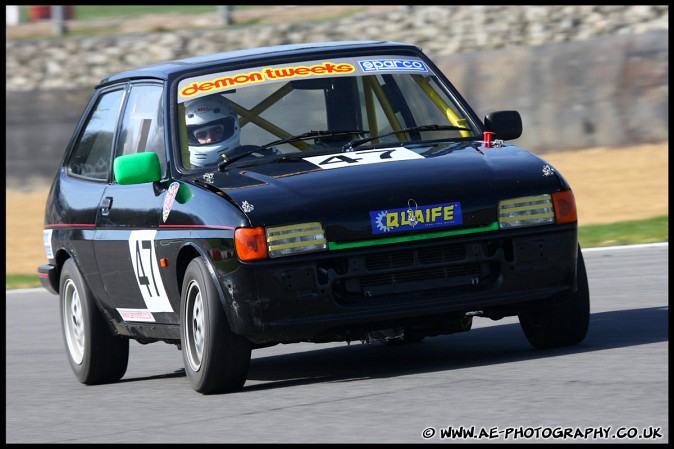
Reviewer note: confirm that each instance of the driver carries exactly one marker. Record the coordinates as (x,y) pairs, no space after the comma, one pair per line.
(212,129)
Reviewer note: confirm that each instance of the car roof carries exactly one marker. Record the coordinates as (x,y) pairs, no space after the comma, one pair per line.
(178,67)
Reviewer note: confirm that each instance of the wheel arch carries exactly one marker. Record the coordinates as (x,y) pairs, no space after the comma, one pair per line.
(190,252)
(185,256)
(60,258)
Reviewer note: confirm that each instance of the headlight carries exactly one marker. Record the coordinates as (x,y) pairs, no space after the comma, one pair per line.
(296,239)
(525,211)
(278,241)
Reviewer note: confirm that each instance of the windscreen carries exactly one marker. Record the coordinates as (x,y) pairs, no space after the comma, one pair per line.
(314,106)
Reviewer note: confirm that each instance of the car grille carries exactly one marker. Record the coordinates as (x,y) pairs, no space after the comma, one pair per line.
(464,267)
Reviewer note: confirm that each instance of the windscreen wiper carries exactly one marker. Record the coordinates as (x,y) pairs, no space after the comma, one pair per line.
(357,142)
(308,135)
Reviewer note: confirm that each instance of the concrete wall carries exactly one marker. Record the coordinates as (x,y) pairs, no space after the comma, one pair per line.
(611,90)
(580,75)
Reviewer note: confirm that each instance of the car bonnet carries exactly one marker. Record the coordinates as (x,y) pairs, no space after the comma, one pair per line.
(447,186)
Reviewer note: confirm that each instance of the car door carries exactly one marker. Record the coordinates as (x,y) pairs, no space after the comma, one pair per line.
(129,215)
(81,183)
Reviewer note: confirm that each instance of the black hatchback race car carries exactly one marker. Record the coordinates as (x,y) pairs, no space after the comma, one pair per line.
(317,192)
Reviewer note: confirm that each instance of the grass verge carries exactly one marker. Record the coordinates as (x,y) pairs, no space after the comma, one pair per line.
(635,232)
(13,281)
(625,233)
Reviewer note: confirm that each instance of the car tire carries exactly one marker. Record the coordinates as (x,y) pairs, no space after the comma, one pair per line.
(96,355)
(216,359)
(565,324)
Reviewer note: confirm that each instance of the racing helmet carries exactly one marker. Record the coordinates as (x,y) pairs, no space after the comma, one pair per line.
(212,129)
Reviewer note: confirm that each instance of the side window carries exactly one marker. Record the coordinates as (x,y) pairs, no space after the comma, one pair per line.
(91,158)
(143,123)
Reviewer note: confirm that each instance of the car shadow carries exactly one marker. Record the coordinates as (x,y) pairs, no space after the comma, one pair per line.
(479,347)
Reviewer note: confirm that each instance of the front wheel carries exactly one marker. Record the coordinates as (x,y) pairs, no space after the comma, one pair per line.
(96,355)
(565,324)
(216,360)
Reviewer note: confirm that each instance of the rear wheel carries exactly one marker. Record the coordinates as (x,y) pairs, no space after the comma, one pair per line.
(216,360)
(562,325)
(95,354)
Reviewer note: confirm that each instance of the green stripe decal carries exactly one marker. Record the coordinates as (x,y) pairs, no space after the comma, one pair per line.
(410,238)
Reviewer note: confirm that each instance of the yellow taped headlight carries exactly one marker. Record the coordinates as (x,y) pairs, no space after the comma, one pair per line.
(525,211)
(295,239)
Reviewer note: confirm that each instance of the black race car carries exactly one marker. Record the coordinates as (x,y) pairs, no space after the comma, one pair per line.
(317,192)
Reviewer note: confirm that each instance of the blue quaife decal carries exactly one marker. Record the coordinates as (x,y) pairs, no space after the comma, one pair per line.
(384,65)
(416,218)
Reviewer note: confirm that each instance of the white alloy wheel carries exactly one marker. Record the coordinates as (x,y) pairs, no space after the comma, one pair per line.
(194,308)
(73,322)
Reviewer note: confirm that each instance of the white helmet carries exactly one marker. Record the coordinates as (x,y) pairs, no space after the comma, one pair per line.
(212,129)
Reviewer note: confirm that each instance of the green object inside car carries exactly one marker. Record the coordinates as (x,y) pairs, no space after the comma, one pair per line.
(137,168)
(184,193)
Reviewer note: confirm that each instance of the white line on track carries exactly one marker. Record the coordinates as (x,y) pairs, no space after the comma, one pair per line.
(644,245)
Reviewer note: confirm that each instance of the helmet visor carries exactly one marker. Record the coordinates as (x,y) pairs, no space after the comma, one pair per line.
(211,133)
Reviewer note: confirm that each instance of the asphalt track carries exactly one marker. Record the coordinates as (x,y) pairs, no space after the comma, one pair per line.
(612,386)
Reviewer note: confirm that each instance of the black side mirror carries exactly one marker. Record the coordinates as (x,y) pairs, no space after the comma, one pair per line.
(506,124)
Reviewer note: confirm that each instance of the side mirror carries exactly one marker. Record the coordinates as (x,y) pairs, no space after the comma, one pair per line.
(506,124)
(137,168)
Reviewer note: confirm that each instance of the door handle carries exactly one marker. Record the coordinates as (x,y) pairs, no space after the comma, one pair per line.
(106,204)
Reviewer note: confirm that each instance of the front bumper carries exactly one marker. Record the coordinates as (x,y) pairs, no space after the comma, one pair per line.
(339,295)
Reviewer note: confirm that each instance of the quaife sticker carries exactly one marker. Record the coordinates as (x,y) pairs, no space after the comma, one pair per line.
(352,158)
(420,217)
